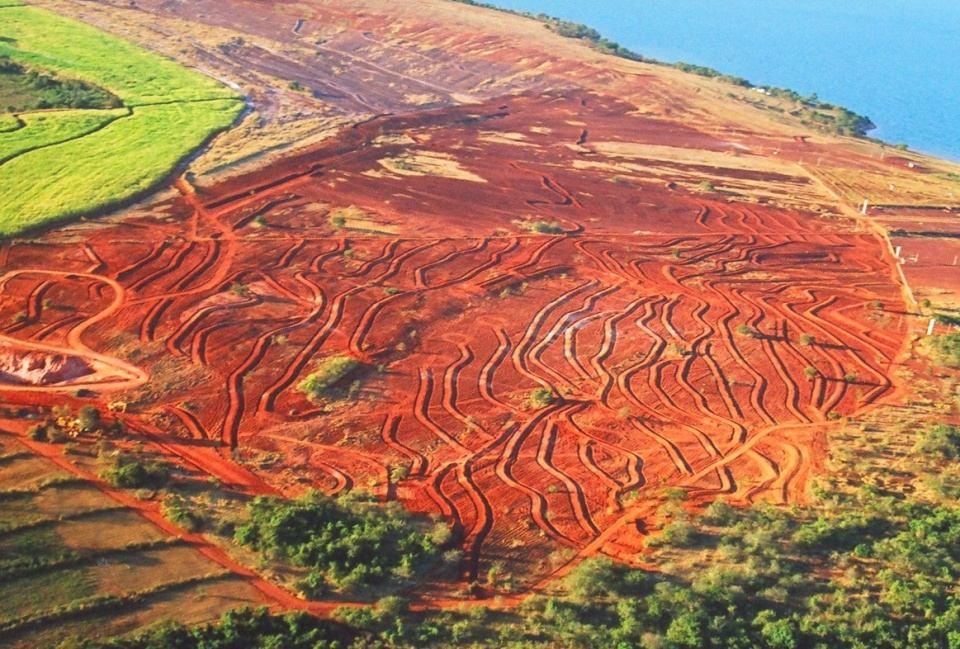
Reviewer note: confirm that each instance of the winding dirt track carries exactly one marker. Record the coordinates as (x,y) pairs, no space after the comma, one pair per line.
(628,310)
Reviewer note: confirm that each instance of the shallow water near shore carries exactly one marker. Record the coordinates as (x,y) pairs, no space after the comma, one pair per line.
(897,61)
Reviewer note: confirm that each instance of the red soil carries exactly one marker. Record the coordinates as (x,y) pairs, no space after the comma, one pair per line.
(228,295)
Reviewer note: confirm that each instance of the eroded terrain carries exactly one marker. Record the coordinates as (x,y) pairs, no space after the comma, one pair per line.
(568,288)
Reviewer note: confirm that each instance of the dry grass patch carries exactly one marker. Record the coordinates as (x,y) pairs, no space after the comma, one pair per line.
(109,530)
(25,472)
(429,163)
(146,569)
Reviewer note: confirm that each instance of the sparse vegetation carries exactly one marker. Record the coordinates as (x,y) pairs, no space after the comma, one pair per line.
(810,108)
(946,348)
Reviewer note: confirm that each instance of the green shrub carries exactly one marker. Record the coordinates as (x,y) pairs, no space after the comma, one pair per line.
(328,374)
(679,534)
(541,398)
(179,512)
(88,419)
(129,472)
(37,432)
(542,227)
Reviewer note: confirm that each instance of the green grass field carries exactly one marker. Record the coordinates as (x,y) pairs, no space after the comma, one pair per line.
(8,123)
(46,128)
(55,165)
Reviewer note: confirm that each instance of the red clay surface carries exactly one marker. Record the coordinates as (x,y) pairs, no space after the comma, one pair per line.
(203,313)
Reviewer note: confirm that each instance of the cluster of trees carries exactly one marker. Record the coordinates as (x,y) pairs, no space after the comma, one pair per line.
(132,472)
(25,89)
(868,569)
(345,542)
(569,29)
(878,571)
(827,115)
(711,73)
(239,629)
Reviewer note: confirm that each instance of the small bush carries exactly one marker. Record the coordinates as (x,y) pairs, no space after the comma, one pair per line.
(542,227)
(178,511)
(747,330)
(37,432)
(329,373)
(541,398)
(679,534)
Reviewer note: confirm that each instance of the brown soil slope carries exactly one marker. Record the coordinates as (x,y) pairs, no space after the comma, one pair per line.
(502,210)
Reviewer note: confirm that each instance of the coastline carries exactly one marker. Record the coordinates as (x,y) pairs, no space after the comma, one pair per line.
(849,122)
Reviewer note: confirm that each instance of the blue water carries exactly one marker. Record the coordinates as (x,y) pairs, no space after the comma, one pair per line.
(896,61)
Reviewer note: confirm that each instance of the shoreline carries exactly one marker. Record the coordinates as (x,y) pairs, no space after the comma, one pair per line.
(865,129)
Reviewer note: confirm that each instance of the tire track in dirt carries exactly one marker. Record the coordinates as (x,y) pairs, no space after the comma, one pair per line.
(504,470)
(578,500)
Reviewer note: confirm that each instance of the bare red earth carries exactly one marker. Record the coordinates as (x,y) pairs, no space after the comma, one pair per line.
(228,296)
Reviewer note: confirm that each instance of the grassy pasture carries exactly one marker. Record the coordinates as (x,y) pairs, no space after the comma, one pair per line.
(44,40)
(9,123)
(45,128)
(90,173)
(55,165)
